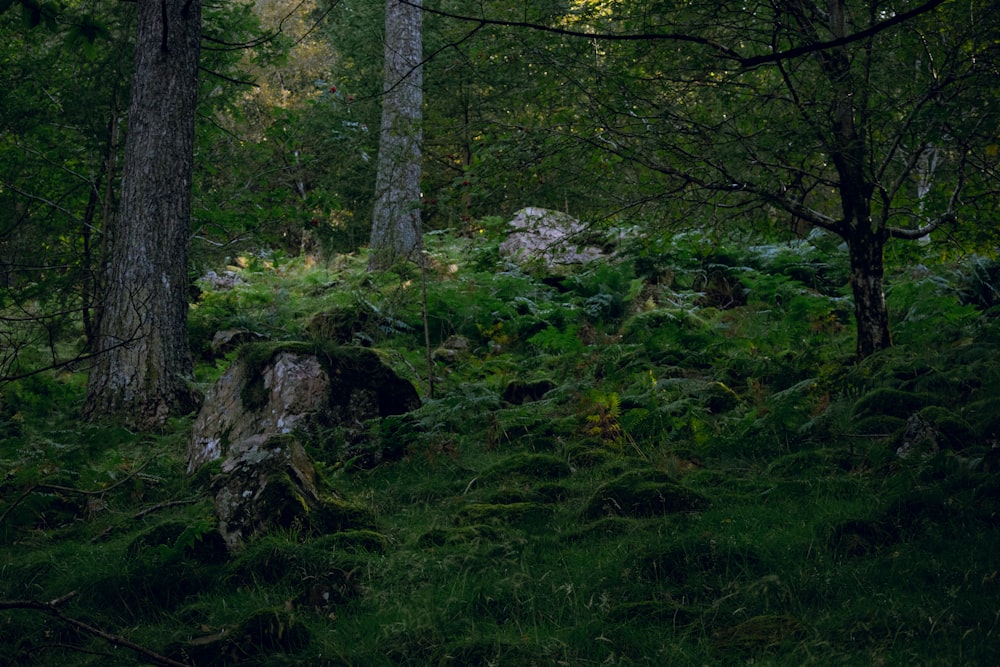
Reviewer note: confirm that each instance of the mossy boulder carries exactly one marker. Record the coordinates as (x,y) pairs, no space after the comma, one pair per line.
(277,388)
(643,493)
(272,485)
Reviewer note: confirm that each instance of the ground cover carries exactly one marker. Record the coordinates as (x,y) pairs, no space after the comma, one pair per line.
(668,459)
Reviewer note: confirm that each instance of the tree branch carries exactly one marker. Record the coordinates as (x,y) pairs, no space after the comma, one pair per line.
(113,639)
(724,51)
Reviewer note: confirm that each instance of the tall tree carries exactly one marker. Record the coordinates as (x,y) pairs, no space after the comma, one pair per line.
(141,373)
(396,224)
(825,113)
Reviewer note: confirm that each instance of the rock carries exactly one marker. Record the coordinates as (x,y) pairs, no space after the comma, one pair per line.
(225,281)
(266,480)
(277,388)
(551,237)
(271,485)
(227,340)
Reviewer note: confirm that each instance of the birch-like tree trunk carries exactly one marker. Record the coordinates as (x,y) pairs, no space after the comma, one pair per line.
(396,227)
(141,373)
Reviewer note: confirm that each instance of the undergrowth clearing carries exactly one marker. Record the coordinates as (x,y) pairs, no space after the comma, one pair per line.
(667,459)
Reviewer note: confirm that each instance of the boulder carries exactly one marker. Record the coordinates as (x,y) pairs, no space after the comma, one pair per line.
(272,484)
(550,237)
(274,389)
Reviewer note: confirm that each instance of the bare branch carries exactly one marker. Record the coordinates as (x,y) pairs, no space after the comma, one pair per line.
(52,608)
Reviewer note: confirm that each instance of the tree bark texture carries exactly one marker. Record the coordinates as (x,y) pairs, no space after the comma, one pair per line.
(144,361)
(396,227)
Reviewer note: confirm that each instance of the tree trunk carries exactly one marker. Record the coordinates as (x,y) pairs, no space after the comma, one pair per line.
(144,361)
(396,227)
(870,312)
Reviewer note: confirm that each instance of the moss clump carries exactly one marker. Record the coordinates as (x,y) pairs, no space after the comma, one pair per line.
(528,467)
(459,535)
(355,541)
(643,493)
(955,432)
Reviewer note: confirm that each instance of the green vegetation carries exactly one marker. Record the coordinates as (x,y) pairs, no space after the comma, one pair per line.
(671,458)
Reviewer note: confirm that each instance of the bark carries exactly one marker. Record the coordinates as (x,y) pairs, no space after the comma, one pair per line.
(144,361)
(396,227)
(870,311)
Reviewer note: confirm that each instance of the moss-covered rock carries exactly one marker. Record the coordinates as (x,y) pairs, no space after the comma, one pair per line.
(528,466)
(277,388)
(457,535)
(642,493)
(507,513)
(272,485)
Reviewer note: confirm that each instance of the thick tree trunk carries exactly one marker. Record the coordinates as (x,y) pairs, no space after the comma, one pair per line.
(144,361)
(396,227)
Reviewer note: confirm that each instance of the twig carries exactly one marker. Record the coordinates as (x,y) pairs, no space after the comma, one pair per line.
(116,640)
(163,505)
(69,489)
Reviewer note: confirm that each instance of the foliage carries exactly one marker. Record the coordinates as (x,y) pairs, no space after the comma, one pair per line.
(696,485)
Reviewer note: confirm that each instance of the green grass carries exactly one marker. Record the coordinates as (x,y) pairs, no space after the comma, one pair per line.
(700,486)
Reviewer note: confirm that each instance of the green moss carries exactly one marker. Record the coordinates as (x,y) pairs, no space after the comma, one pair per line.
(528,466)
(641,493)
(355,540)
(522,512)
(955,431)
(468,534)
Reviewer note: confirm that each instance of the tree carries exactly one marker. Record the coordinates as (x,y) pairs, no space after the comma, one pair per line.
(141,373)
(825,114)
(396,224)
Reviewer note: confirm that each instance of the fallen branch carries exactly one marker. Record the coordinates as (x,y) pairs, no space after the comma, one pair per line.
(52,607)
(69,489)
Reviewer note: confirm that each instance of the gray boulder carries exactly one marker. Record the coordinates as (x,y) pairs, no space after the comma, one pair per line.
(551,237)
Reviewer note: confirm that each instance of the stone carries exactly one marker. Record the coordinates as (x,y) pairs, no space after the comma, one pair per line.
(253,421)
(223,282)
(550,237)
(227,340)
(274,389)
(272,484)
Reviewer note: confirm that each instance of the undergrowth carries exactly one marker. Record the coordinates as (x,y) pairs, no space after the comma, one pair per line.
(667,460)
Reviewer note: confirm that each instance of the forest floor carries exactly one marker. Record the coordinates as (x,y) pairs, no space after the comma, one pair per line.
(667,459)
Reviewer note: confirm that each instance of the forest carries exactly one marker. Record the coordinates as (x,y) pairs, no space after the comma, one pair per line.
(641,332)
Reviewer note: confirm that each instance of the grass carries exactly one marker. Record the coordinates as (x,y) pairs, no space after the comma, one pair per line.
(691,485)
